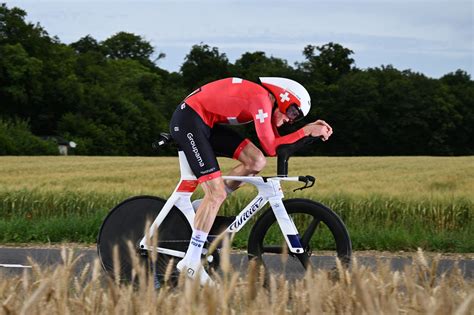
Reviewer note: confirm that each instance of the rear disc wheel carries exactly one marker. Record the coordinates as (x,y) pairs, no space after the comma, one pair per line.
(125,226)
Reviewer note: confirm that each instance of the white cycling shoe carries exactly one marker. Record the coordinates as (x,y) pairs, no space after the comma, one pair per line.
(195,270)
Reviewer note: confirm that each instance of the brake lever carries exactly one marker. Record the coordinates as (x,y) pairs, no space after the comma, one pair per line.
(307,180)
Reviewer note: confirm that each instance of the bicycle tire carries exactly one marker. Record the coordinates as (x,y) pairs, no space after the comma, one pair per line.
(258,247)
(126,223)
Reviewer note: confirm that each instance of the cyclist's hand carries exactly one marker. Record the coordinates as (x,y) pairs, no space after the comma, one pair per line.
(319,128)
(321,122)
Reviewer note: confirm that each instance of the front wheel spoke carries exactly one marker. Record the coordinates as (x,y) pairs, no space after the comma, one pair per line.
(309,232)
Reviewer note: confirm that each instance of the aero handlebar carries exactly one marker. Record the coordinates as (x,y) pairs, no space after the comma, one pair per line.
(285,151)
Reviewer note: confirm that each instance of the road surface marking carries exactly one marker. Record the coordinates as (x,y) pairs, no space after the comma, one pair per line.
(14,266)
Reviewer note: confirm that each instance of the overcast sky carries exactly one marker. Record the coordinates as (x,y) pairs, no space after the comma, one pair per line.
(432,37)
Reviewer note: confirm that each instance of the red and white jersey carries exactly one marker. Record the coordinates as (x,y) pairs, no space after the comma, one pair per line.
(238,101)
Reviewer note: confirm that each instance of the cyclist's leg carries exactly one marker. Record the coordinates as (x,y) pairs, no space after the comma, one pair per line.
(214,196)
(192,136)
(228,143)
(252,162)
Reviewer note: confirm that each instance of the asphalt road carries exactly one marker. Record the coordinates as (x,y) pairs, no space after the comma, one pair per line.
(14,260)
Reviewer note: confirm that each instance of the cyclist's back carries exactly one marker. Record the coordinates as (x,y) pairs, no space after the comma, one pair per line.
(229,101)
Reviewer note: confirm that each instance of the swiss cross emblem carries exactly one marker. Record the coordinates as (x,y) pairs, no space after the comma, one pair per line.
(285,97)
(261,116)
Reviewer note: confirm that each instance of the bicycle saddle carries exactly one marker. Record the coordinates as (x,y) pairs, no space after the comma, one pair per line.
(164,139)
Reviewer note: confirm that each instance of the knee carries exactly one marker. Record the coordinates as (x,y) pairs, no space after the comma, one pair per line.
(216,194)
(257,163)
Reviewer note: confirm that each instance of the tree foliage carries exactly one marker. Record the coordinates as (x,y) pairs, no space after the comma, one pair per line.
(330,64)
(202,65)
(17,139)
(254,65)
(111,98)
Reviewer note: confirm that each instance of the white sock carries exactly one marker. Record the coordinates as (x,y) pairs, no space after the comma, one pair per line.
(191,263)
(196,244)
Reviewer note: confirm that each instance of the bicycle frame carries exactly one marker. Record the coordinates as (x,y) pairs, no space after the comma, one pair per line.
(269,190)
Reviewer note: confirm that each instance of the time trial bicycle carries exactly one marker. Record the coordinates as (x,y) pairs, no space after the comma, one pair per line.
(292,227)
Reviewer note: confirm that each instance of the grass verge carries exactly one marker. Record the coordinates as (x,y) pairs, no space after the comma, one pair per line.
(374,222)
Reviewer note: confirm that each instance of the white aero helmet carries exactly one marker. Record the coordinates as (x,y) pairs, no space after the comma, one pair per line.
(288,92)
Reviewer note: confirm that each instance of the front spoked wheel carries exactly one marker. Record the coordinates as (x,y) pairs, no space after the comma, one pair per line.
(322,234)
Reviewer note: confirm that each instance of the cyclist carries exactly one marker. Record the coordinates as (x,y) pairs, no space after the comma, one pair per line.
(198,126)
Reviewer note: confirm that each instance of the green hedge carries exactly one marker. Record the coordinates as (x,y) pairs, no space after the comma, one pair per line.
(17,139)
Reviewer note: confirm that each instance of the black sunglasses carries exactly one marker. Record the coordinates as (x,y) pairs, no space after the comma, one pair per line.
(294,112)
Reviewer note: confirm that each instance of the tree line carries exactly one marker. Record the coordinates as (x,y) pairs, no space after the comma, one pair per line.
(111,98)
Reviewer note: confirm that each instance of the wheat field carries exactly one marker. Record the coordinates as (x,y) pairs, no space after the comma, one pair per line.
(410,177)
(415,290)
